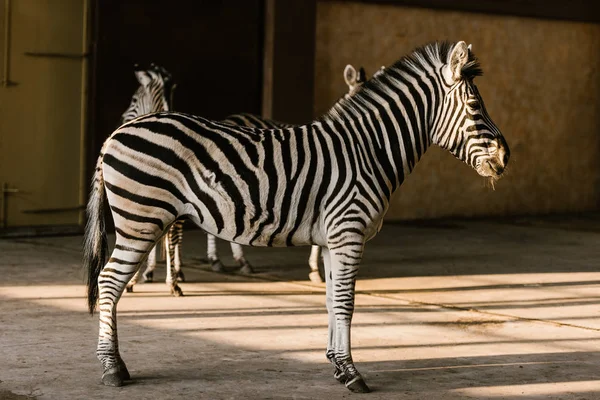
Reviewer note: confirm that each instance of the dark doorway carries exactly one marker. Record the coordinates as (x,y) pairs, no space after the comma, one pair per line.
(213,49)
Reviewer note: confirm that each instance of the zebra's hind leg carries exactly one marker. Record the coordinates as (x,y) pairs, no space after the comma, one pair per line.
(313,263)
(213,258)
(344,262)
(238,255)
(124,262)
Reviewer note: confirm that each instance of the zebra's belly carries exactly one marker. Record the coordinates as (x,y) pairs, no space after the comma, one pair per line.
(258,235)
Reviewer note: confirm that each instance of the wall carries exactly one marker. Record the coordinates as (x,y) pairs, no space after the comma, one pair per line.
(541,85)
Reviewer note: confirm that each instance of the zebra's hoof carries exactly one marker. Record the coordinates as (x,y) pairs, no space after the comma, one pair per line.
(358,385)
(123,371)
(149,277)
(176,291)
(217,266)
(129,289)
(247,269)
(115,377)
(180,276)
(315,277)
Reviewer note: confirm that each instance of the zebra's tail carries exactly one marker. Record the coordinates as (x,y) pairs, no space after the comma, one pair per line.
(95,245)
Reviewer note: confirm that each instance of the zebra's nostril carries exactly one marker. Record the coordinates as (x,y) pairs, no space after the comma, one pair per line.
(505,159)
(498,169)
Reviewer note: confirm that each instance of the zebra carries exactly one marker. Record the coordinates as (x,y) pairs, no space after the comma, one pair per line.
(150,96)
(328,182)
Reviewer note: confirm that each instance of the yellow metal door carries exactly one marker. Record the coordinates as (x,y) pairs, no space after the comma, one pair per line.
(42,109)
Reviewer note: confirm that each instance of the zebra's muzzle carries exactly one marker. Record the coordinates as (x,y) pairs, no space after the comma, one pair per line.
(491,167)
(495,164)
(496,168)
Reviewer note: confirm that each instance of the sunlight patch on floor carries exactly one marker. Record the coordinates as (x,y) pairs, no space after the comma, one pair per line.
(534,389)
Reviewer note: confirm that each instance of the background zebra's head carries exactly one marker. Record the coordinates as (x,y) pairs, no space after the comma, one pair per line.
(152,95)
(462,125)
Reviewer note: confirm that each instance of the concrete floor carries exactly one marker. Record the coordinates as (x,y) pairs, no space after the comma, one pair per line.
(445,310)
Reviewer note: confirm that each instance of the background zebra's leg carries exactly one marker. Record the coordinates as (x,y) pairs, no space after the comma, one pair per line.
(170,280)
(238,254)
(313,263)
(124,262)
(176,240)
(345,260)
(330,353)
(213,257)
(132,282)
(148,274)
(179,275)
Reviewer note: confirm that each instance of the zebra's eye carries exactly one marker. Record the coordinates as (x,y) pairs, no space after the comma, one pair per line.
(473,104)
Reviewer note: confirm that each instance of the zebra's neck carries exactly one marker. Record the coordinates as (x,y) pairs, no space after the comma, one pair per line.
(389,120)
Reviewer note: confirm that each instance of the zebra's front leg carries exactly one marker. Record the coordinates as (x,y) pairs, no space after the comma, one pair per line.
(338,373)
(170,280)
(213,257)
(344,262)
(124,262)
(313,263)
(238,255)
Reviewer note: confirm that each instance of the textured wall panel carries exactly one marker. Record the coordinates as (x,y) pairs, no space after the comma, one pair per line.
(541,85)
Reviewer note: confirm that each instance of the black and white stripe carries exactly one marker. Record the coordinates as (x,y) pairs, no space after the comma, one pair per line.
(327,183)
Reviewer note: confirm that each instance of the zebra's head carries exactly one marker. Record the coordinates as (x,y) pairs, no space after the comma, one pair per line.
(354,79)
(462,125)
(151,95)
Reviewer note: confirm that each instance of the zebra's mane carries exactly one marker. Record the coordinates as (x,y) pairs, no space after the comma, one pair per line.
(421,58)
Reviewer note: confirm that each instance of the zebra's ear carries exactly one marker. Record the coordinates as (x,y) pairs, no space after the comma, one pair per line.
(350,75)
(143,77)
(458,59)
